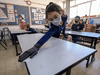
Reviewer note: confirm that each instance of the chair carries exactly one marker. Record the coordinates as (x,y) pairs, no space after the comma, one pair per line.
(97,29)
(2,40)
(6,32)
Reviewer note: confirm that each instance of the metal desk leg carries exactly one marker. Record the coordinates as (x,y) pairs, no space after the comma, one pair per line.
(95,43)
(12,37)
(91,43)
(87,64)
(15,45)
(68,71)
(93,57)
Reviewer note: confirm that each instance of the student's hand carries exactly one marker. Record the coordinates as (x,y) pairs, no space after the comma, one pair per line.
(29,53)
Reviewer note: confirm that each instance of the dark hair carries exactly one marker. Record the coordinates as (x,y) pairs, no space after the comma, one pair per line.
(20,16)
(27,25)
(51,7)
(77,17)
(81,20)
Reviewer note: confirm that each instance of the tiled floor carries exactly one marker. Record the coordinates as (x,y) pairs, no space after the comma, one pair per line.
(9,64)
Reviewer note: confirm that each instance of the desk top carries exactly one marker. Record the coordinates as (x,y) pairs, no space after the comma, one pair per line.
(54,56)
(40,27)
(17,30)
(98,29)
(87,34)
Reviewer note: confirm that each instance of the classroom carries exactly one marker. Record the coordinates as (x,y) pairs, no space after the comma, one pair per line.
(50,37)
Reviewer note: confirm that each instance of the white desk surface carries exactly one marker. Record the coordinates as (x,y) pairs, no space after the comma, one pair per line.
(98,29)
(54,56)
(39,27)
(88,34)
(17,30)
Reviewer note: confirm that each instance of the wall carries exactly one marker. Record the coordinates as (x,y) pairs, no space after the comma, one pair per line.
(21,2)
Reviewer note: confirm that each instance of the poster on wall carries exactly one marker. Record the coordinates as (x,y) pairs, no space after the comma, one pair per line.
(35,14)
(2,14)
(11,17)
(43,16)
(40,14)
(43,11)
(40,18)
(38,9)
(34,10)
(2,5)
(36,22)
(35,18)
(10,8)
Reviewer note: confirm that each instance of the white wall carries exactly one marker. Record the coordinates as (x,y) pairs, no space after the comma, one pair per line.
(21,2)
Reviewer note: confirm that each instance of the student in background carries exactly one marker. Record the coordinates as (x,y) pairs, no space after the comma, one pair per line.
(27,27)
(82,23)
(22,22)
(57,23)
(76,27)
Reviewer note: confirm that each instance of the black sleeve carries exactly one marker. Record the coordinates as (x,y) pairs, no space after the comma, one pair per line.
(64,31)
(81,26)
(72,27)
(46,26)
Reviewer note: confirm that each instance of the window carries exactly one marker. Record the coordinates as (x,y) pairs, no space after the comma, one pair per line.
(72,3)
(95,8)
(81,1)
(81,10)
(73,12)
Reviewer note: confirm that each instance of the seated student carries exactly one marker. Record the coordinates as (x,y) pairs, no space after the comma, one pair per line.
(76,27)
(57,23)
(27,27)
(22,21)
(82,23)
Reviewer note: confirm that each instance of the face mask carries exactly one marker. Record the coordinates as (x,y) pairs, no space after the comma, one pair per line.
(76,21)
(57,21)
(20,18)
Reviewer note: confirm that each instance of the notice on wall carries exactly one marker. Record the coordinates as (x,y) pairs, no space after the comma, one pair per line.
(43,16)
(35,14)
(2,5)
(38,9)
(34,10)
(2,14)
(35,18)
(40,18)
(10,8)
(11,17)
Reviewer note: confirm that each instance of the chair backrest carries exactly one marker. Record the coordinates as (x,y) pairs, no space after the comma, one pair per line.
(97,26)
(1,35)
(6,31)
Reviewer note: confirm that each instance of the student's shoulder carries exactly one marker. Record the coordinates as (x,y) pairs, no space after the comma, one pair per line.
(23,20)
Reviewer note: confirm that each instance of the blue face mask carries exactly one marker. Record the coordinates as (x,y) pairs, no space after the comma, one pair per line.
(57,21)
(20,18)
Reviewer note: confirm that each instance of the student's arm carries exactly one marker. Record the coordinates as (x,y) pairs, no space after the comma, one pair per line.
(81,27)
(47,26)
(34,50)
(45,38)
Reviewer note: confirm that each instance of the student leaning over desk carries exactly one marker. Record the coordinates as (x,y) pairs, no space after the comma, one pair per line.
(57,22)
(22,22)
(28,28)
